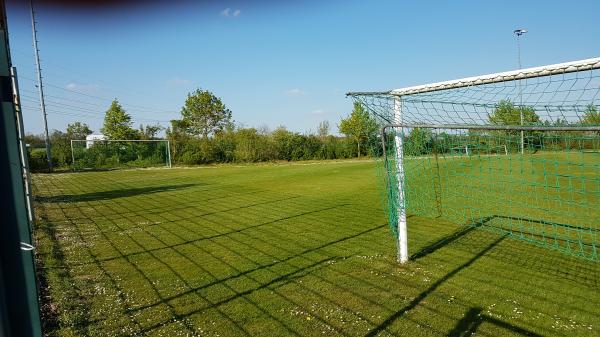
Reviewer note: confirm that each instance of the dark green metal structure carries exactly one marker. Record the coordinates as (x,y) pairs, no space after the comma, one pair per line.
(19,308)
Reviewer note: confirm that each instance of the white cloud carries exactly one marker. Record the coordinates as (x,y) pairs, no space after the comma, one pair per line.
(319,112)
(89,87)
(295,92)
(178,82)
(228,12)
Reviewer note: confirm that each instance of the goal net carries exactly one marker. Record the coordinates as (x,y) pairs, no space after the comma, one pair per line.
(112,154)
(515,152)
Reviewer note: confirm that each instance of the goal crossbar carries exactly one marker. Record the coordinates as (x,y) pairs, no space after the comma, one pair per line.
(548,70)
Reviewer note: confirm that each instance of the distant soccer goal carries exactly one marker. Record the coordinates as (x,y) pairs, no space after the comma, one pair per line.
(513,152)
(112,154)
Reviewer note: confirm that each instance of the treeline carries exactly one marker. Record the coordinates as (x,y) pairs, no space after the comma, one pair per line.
(206,134)
(235,145)
(425,142)
(250,145)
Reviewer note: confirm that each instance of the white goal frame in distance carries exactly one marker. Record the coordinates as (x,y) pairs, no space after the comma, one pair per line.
(168,150)
(515,75)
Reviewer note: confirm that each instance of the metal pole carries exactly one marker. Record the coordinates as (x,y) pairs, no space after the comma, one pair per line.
(169,152)
(41,88)
(401,210)
(73,156)
(19,298)
(520,32)
(22,146)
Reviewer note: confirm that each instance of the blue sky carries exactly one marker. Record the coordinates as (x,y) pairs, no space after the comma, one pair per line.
(274,63)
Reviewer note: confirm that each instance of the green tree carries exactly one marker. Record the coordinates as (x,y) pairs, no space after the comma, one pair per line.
(78,130)
(591,116)
(117,123)
(204,114)
(506,113)
(419,142)
(150,131)
(359,126)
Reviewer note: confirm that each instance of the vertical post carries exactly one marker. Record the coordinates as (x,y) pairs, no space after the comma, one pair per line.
(520,95)
(19,307)
(169,152)
(401,211)
(437,181)
(22,145)
(73,155)
(41,88)
(520,32)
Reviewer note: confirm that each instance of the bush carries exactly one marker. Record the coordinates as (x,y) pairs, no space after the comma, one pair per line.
(249,145)
(37,160)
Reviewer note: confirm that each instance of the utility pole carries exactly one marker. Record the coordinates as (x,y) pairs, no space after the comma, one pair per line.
(41,87)
(518,33)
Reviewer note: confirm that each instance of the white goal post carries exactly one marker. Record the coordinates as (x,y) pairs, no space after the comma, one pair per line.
(388,107)
(89,143)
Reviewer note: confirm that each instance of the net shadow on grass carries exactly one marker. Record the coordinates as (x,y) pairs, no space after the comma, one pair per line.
(448,239)
(113,194)
(273,283)
(475,317)
(577,270)
(418,299)
(296,272)
(248,247)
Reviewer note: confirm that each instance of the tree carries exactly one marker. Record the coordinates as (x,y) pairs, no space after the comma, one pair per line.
(117,123)
(150,131)
(359,126)
(323,129)
(591,116)
(204,114)
(419,142)
(78,130)
(506,113)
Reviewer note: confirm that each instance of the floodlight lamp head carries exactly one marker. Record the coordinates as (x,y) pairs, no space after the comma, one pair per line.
(520,32)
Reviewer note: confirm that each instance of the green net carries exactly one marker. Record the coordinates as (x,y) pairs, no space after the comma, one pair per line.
(113,154)
(534,177)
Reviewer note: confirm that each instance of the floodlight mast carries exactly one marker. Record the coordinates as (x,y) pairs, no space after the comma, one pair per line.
(518,33)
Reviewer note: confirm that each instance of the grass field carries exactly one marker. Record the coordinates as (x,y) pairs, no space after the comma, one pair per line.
(285,250)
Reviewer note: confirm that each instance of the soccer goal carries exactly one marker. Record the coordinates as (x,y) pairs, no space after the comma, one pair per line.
(112,154)
(512,152)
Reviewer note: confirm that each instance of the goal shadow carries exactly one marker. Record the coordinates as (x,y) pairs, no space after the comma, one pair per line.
(473,319)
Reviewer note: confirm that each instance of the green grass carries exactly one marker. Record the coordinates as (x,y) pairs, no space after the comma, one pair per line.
(284,250)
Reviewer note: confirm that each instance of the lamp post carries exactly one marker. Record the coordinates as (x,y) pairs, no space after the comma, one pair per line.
(518,33)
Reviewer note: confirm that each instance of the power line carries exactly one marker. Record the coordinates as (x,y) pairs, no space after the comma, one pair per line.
(145,108)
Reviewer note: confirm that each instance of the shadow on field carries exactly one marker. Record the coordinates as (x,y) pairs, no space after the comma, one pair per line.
(448,239)
(107,195)
(223,248)
(419,298)
(562,266)
(250,262)
(475,317)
